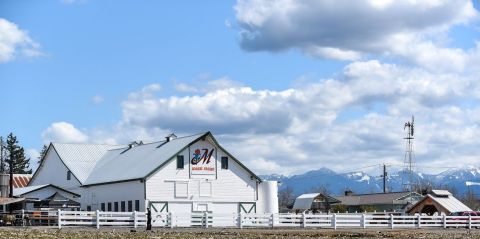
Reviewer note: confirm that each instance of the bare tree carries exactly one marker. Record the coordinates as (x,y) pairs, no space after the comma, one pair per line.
(471,199)
(322,188)
(286,198)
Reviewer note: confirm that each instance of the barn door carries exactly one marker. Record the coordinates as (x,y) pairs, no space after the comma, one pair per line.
(247,207)
(159,214)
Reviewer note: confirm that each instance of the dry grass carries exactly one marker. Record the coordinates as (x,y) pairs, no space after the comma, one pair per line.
(89,233)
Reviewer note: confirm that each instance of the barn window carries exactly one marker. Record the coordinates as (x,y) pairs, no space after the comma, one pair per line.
(109,206)
(224,162)
(122,205)
(181,189)
(103,206)
(180,162)
(69,175)
(137,205)
(115,204)
(130,205)
(205,189)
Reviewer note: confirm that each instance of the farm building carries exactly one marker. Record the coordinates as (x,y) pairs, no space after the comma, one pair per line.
(180,174)
(394,201)
(315,202)
(19,181)
(439,201)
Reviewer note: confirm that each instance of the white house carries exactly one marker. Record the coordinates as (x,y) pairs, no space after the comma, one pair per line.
(184,174)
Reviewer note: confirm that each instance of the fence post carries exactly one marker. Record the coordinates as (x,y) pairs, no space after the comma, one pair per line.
(135,219)
(59,219)
(469,221)
(240,220)
(23,217)
(334,221)
(364,221)
(419,223)
(171,219)
(444,220)
(205,216)
(304,219)
(391,221)
(273,220)
(98,219)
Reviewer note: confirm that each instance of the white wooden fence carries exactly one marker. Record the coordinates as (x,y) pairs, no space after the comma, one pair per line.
(255,220)
(98,218)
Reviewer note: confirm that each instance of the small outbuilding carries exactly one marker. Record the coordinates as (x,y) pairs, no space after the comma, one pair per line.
(315,202)
(390,202)
(439,201)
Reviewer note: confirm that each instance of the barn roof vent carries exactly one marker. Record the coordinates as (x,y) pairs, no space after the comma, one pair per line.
(131,145)
(170,137)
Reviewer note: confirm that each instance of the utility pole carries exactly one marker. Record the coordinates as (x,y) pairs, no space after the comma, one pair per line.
(2,162)
(384,178)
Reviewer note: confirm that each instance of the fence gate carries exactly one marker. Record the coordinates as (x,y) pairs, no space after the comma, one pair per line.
(160,216)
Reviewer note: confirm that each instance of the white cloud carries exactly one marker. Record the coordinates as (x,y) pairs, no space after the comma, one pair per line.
(301,128)
(63,132)
(348,30)
(206,85)
(97,99)
(347,122)
(15,42)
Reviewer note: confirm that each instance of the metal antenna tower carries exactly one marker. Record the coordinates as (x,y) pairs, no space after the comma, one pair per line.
(409,161)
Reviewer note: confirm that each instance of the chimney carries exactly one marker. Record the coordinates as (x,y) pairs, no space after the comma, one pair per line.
(348,193)
(134,144)
(170,137)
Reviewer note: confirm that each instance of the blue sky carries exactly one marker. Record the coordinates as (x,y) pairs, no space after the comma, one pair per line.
(267,75)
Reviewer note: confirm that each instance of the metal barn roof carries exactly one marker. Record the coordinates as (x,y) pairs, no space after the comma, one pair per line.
(304,201)
(375,198)
(137,162)
(94,164)
(450,203)
(20,191)
(443,198)
(82,158)
(21,180)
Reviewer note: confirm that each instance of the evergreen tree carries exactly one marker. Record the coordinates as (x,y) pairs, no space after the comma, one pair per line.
(3,155)
(16,156)
(42,154)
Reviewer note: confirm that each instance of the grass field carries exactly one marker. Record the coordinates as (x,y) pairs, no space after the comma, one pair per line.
(89,233)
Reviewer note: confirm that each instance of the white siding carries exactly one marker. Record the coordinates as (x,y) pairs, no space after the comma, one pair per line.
(228,187)
(115,192)
(53,171)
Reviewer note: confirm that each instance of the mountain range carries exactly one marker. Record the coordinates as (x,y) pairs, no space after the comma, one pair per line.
(361,182)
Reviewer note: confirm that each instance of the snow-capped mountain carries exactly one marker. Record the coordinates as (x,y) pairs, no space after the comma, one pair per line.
(361,182)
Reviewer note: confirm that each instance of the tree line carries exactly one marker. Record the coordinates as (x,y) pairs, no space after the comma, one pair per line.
(12,156)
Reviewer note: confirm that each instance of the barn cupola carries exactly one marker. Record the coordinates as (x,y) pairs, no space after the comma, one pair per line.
(170,137)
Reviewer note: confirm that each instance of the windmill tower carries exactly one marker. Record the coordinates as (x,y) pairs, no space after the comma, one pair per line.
(409,160)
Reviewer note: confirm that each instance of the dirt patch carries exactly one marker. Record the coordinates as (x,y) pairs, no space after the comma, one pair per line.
(90,233)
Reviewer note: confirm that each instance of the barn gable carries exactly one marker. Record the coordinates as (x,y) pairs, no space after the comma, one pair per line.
(203,176)
(53,170)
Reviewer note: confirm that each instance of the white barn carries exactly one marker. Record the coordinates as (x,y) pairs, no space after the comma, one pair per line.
(184,174)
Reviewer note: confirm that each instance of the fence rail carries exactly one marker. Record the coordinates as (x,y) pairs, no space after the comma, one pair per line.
(248,220)
(98,219)
(243,220)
